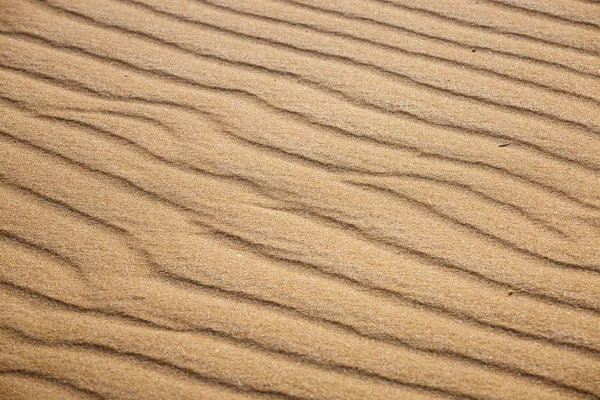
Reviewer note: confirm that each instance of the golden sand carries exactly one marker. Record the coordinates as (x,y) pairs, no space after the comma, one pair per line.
(298,199)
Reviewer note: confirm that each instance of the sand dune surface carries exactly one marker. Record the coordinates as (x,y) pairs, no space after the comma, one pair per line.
(299,199)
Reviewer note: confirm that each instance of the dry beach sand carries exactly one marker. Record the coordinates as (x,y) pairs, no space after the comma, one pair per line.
(298,199)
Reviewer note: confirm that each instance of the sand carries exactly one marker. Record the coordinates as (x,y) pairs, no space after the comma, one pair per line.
(298,199)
